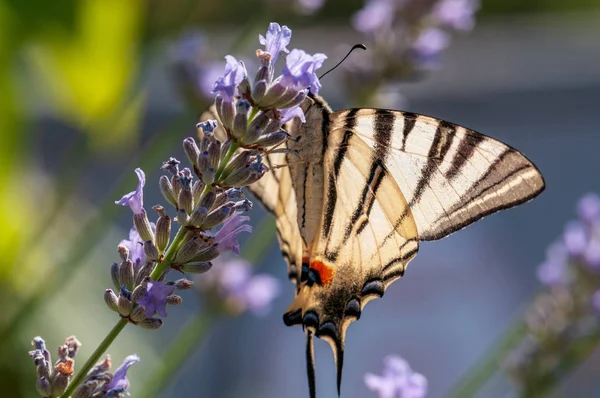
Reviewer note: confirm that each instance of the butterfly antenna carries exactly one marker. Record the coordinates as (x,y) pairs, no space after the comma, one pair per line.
(310,364)
(354,47)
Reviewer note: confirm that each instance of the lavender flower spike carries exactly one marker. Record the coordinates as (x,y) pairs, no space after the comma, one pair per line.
(135,245)
(278,37)
(235,71)
(226,238)
(397,380)
(456,14)
(300,70)
(135,199)
(119,382)
(155,299)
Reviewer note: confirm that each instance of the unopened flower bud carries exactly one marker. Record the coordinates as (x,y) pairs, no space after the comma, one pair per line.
(186,200)
(214,154)
(123,252)
(151,323)
(208,200)
(244,87)
(207,127)
(160,210)
(59,384)
(174,299)
(235,194)
(196,267)
(191,151)
(125,305)
(151,251)
(255,129)
(184,283)
(167,190)
(272,96)
(43,387)
(114,275)
(138,314)
(111,300)
(225,109)
(237,178)
(217,216)
(208,176)
(243,205)
(142,224)
(240,121)
(143,272)
(182,217)
(198,216)
(197,190)
(272,139)
(163,232)
(289,101)
(225,147)
(126,274)
(177,187)
(189,250)
(260,88)
(172,166)
(206,253)
(139,291)
(238,161)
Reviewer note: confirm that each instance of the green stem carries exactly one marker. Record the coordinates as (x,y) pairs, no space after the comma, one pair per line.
(93,359)
(169,255)
(225,160)
(484,369)
(175,355)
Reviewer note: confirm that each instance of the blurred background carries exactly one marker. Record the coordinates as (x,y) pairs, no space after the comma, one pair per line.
(92,89)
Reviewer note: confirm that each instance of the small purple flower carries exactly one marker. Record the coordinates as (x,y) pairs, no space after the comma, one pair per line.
(135,245)
(135,199)
(456,14)
(309,7)
(575,238)
(278,37)
(596,300)
(300,70)
(588,208)
(290,113)
(235,72)
(119,382)
(428,47)
(591,254)
(154,301)
(376,16)
(258,293)
(554,271)
(226,238)
(397,380)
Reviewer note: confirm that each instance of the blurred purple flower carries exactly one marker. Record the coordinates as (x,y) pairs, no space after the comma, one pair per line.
(456,14)
(226,238)
(397,380)
(135,199)
(554,271)
(375,16)
(588,208)
(428,47)
(575,238)
(119,382)
(591,254)
(596,300)
(300,70)
(309,7)
(154,301)
(135,245)
(276,40)
(235,72)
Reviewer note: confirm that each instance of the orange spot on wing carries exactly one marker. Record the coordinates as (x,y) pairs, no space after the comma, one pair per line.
(325,272)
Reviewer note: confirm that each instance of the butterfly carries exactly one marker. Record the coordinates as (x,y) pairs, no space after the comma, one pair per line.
(360,189)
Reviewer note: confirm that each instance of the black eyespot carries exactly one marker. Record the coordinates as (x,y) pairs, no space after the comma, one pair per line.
(373,287)
(310,320)
(327,329)
(313,277)
(292,318)
(353,309)
(304,274)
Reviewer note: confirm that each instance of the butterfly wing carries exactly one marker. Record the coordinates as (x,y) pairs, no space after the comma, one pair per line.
(451,176)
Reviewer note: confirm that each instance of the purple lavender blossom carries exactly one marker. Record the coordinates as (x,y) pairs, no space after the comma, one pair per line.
(588,208)
(456,14)
(119,382)
(290,113)
(554,270)
(226,238)
(375,16)
(428,47)
(575,238)
(596,300)
(235,72)
(154,301)
(397,380)
(300,70)
(135,245)
(276,40)
(135,199)
(309,7)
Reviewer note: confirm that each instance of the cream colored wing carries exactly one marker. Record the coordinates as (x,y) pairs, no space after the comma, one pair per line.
(354,256)
(451,176)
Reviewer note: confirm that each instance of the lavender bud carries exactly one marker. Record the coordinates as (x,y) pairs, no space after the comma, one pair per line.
(125,305)
(43,387)
(73,346)
(151,323)
(243,205)
(244,87)
(138,314)
(225,147)
(186,200)
(240,121)
(203,162)
(191,151)
(208,176)
(111,299)
(208,200)
(151,251)
(114,274)
(294,100)
(260,88)
(184,283)
(126,273)
(206,253)
(59,384)
(177,187)
(255,129)
(172,166)
(143,272)
(225,109)
(142,224)
(182,217)
(238,178)
(174,299)
(85,390)
(189,250)
(272,96)
(195,267)
(272,139)
(123,252)
(167,190)
(206,127)
(238,161)
(217,216)
(163,232)
(235,194)
(198,216)
(197,190)
(139,291)
(214,154)
(160,210)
